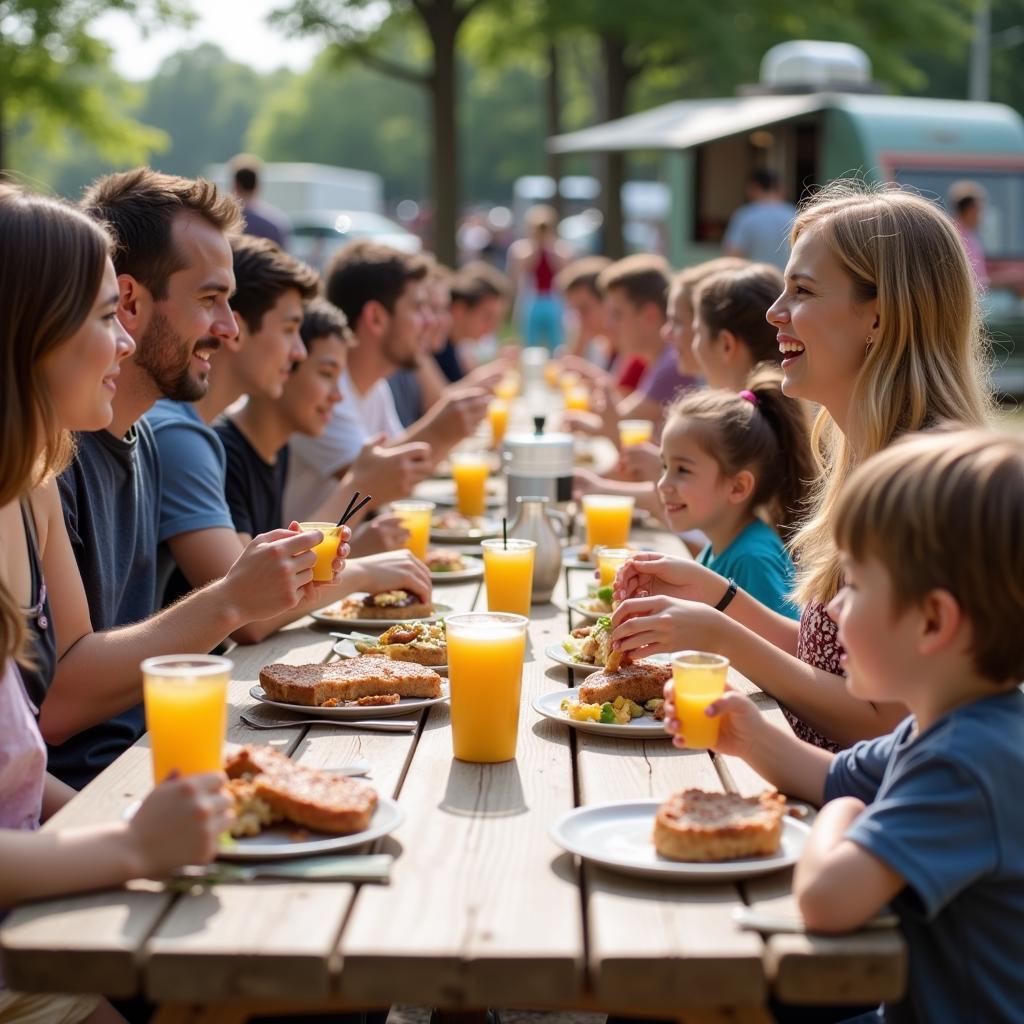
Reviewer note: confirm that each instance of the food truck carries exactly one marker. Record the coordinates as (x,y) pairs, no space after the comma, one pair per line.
(815,116)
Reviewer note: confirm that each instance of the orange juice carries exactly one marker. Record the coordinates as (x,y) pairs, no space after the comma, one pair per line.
(497,415)
(608,518)
(415,516)
(698,680)
(551,373)
(326,551)
(508,387)
(577,399)
(508,575)
(633,432)
(609,562)
(186,712)
(470,470)
(485,675)
(568,379)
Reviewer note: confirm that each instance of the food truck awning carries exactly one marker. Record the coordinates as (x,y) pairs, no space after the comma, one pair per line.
(890,122)
(686,123)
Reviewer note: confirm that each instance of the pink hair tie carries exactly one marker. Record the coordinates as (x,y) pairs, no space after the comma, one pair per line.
(749,396)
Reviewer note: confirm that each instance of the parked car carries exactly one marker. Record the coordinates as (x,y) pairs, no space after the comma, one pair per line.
(316,236)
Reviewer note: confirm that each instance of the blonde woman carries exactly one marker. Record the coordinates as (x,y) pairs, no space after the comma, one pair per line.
(879,326)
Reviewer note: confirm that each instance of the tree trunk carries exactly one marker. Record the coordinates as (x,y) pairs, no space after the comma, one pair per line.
(443,25)
(613,169)
(553,124)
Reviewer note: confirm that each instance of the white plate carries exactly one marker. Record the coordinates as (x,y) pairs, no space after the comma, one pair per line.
(556,652)
(347,649)
(646,728)
(576,604)
(618,836)
(487,528)
(473,571)
(376,626)
(277,842)
(448,499)
(403,707)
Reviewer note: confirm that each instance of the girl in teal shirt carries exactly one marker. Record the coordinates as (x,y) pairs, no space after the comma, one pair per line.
(736,466)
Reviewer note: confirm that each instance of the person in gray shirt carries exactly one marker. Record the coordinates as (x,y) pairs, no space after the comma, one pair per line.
(759,231)
(927,818)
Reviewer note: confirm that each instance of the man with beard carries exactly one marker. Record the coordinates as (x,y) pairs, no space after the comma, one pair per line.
(197,531)
(174,267)
(384,295)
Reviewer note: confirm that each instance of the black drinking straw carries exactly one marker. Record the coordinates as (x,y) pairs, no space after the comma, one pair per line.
(504,532)
(353,508)
(345,514)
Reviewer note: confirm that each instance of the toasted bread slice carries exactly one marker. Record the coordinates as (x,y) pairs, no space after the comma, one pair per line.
(697,826)
(306,796)
(639,681)
(311,685)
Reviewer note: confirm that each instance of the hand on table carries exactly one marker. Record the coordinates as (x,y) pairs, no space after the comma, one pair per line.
(179,823)
(742,723)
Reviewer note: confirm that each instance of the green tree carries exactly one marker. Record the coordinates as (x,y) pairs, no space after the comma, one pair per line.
(51,74)
(358,27)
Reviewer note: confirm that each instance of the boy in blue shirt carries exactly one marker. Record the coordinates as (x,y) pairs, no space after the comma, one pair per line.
(926,818)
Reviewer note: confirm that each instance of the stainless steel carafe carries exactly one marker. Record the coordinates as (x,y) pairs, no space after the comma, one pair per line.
(535,521)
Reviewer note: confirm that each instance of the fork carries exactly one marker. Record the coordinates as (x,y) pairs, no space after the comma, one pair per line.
(396,725)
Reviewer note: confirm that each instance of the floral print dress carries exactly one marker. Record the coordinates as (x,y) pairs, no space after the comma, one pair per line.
(818,646)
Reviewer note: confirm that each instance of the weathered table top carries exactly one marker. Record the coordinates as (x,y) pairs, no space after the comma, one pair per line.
(483,908)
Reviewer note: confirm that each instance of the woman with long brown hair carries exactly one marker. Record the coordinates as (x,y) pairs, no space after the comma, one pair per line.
(60,350)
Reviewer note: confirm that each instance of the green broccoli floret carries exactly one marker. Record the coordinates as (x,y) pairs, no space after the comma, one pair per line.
(604,594)
(607,713)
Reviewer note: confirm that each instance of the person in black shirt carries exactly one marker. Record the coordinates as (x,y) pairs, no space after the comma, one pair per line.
(256,442)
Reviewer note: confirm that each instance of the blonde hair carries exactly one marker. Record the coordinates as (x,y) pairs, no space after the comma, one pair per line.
(52,259)
(767,435)
(926,363)
(941,511)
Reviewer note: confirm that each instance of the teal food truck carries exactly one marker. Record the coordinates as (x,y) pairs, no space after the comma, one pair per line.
(816,116)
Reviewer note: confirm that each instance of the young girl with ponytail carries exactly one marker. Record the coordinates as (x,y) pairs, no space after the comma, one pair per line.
(735,466)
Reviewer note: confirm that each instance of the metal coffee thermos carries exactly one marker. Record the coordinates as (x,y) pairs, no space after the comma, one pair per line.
(538,465)
(547,530)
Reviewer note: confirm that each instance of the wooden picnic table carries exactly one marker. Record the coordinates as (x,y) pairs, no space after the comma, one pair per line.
(483,908)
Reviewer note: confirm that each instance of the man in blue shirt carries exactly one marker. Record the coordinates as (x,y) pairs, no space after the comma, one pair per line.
(759,231)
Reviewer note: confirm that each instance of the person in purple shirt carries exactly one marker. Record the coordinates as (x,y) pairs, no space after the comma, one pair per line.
(261,219)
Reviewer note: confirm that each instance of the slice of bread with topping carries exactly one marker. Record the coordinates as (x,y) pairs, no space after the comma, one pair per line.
(306,796)
(312,685)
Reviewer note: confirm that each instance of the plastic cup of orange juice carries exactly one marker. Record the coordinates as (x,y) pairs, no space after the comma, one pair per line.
(497,416)
(551,373)
(577,399)
(508,574)
(608,518)
(415,516)
(508,387)
(609,562)
(326,551)
(185,697)
(698,680)
(485,677)
(470,471)
(634,432)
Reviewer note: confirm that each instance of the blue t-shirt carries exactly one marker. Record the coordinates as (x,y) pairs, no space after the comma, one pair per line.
(194,469)
(759,563)
(944,813)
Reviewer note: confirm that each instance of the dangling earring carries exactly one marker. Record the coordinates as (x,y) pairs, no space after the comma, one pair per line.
(869,342)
